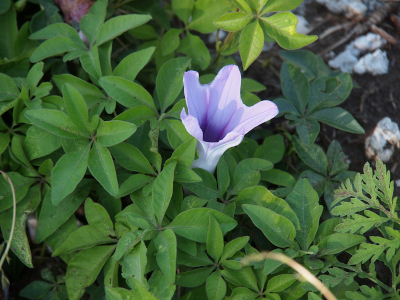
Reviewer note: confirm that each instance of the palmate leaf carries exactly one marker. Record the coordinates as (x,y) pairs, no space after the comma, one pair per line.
(360,223)
(373,251)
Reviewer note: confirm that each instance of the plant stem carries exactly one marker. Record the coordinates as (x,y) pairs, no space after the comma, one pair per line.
(5,254)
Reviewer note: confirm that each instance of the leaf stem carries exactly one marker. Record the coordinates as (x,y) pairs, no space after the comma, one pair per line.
(5,254)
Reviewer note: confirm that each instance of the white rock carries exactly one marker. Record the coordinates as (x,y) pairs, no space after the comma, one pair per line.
(376,63)
(397,182)
(381,143)
(369,42)
(212,38)
(349,7)
(302,25)
(345,61)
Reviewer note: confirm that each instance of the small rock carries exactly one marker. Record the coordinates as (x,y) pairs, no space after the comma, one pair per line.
(376,63)
(349,7)
(345,61)
(398,183)
(381,143)
(302,25)
(369,42)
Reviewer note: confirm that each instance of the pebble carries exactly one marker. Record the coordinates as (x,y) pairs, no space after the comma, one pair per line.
(350,8)
(376,63)
(383,140)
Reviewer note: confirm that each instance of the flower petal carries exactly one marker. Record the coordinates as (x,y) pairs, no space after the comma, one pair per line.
(250,117)
(192,125)
(196,96)
(224,99)
(210,153)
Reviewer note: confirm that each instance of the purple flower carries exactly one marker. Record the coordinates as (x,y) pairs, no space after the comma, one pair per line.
(217,118)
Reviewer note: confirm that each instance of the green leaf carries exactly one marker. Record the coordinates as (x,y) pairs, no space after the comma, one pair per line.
(5,141)
(278,177)
(36,290)
(54,47)
(137,115)
(170,41)
(162,190)
(34,76)
(55,122)
(305,60)
(84,268)
(126,243)
(183,9)
(134,264)
(207,188)
(223,176)
(308,130)
(215,239)
(118,293)
(165,243)
(83,87)
(336,159)
(52,217)
(91,22)
(242,5)
(304,202)
(261,196)
(134,183)
(193,224)
(282,28)
(110,133)
(82,238)
(160,287)
(9,89)
(280,282)
(176,132)
(242,292)
(338,242)
(312,155)
(19,153)
(118,25)
(251,43)
(233,21)
(101,165)
(8,22)
(244,277)
(185,174)
(234,246)
(67,173)
(58,30)
(247,173)
(273,149)
(98,217)
(194,278)
(329,91)
(131,65)
(144,32)
(339,118)
(194,47)
(280,5)
(20,244)
(251,85)
(278,229)
(295,86)
(215,286)
(91,63)
(130,158)
(21,185)
(169,81)
(76,107)
(128,93)
(204,14)
(184,154)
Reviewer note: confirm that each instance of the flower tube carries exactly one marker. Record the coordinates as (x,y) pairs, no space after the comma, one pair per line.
(217,117)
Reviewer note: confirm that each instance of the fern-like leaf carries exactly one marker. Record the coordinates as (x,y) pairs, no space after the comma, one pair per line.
(349,208)
(373,251)
(358,222)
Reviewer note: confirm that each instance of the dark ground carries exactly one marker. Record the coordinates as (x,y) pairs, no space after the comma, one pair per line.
(377,96)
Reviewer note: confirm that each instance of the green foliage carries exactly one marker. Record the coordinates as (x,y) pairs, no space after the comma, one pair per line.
(109,132)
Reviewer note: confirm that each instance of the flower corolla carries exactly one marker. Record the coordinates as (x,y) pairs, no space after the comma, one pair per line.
(217,117)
